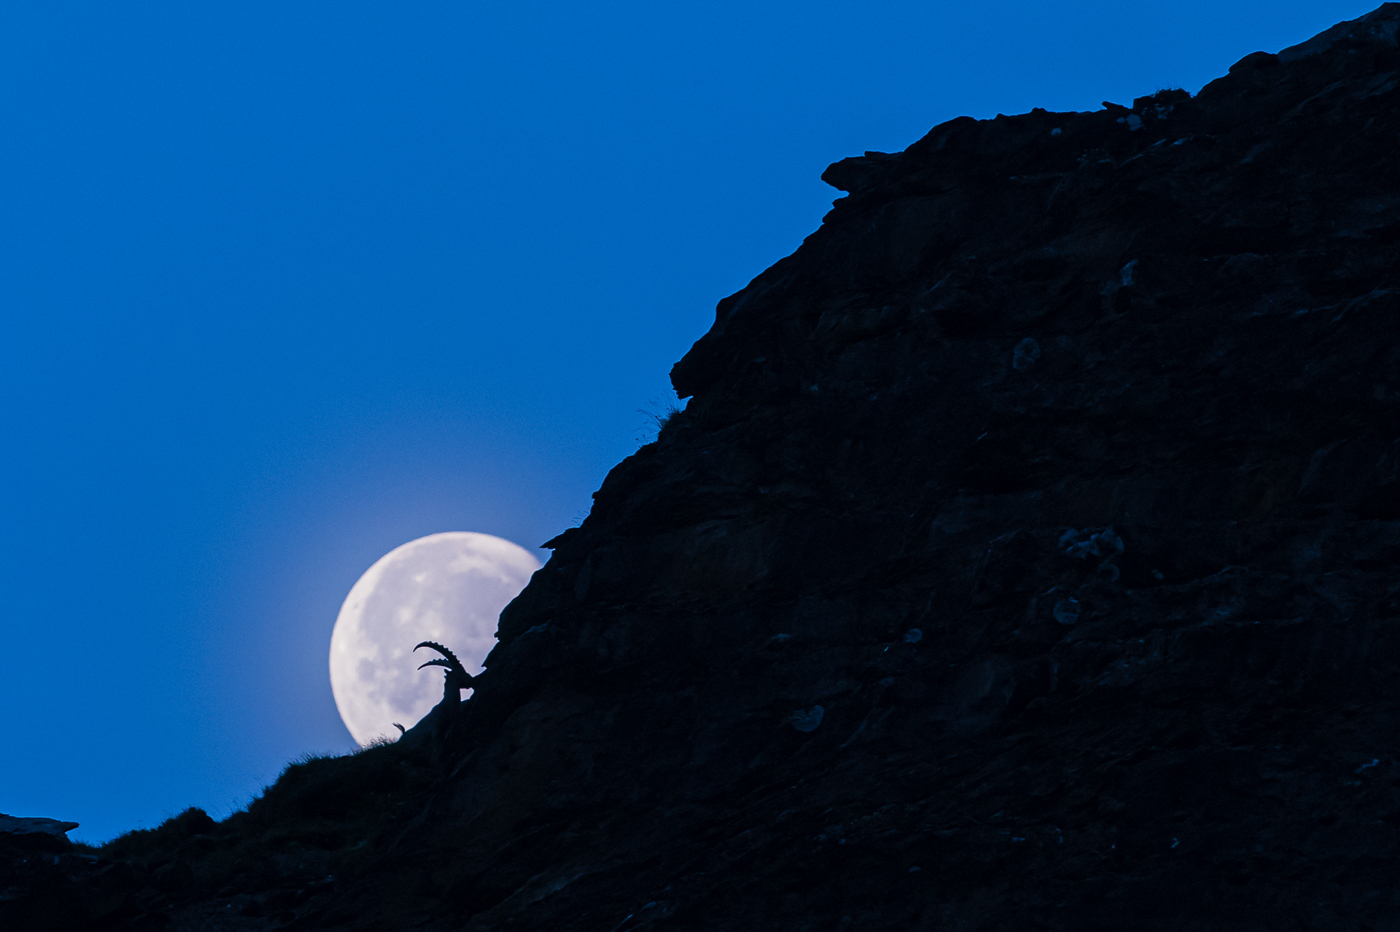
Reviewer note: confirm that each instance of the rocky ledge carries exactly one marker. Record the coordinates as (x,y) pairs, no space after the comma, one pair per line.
(1027,556)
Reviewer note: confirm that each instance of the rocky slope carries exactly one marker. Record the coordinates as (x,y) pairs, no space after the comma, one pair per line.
(1027,557)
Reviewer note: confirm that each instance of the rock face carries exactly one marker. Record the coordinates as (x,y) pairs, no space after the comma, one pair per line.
(1027,556)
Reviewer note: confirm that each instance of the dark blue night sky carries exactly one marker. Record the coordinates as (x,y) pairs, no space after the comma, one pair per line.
(285,285)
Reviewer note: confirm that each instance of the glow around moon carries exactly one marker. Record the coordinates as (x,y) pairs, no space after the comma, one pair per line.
(444,587)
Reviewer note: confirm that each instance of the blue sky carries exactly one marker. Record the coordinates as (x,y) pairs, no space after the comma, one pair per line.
(286,285)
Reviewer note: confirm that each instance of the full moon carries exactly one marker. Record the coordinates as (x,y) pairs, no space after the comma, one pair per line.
(448,588)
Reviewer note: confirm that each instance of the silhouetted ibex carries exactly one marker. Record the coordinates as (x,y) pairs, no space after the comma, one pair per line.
(445,713)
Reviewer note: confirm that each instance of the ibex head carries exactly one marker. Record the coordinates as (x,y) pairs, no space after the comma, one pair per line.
(457,676)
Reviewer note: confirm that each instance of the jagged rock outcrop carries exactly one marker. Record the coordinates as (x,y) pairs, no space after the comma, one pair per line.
(29,847)
(1027,556)
(21,830)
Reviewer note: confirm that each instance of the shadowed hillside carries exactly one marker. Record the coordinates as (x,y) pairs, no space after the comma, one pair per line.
(1027,556)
